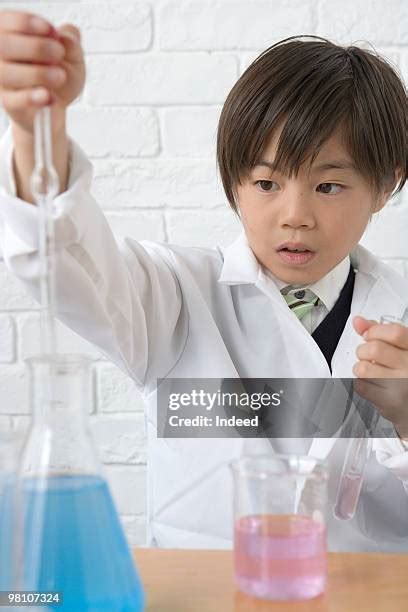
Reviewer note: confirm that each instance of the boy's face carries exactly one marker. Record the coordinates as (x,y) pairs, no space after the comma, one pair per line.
(323,210)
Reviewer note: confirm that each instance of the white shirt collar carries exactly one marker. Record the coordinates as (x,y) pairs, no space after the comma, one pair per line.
(241,266)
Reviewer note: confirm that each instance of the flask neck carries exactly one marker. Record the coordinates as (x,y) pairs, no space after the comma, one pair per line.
(59,441)
(60,390)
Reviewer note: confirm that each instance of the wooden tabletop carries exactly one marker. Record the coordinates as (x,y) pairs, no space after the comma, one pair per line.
(202,581)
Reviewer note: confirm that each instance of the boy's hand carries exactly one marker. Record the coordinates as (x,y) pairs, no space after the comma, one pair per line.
(384,355)
(28,56)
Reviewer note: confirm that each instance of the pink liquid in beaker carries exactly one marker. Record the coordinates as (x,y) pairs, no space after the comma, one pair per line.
(280,556)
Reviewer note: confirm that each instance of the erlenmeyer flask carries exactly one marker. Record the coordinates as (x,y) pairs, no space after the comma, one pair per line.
(72,541)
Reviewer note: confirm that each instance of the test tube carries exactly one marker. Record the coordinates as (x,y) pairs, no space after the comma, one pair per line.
(358,452)
(351,479)
(388,319)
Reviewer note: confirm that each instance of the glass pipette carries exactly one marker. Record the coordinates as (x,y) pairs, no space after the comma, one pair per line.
(358,453)
(44,186)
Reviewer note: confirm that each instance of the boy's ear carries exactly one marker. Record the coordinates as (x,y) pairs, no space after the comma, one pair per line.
(387,191)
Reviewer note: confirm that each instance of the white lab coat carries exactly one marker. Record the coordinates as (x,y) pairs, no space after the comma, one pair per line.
(158,311)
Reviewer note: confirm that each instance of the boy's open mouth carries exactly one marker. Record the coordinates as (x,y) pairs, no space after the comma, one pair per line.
(295,253)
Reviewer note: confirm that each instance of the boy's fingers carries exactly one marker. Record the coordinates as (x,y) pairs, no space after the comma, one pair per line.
(383,353)
(70,37)
(23,76)
(393,333)
(70,30)
(370,390)
(367,369)
(30,49)
(26,23)
(13,101)
(361,324)
(387,398)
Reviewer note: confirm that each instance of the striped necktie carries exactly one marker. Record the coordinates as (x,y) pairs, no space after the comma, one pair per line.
(300,301)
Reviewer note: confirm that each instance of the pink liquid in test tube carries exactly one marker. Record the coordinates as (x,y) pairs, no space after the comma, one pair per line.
(348,496)
(280,556)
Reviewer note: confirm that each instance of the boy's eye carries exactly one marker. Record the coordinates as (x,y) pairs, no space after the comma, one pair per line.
(326,188)
(265,185)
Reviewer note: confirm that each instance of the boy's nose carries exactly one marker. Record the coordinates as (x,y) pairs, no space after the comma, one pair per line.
(297,211)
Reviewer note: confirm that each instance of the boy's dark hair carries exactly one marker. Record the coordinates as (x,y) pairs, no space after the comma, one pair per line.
(314,87)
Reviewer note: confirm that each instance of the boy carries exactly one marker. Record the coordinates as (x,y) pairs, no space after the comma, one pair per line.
(306,117)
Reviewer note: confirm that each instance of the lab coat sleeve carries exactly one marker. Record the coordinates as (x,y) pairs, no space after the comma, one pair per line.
(392,454)
(119,294)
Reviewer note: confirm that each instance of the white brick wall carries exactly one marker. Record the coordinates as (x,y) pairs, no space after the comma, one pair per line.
(158,73)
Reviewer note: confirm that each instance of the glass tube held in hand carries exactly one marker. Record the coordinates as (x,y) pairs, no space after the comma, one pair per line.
(44,188)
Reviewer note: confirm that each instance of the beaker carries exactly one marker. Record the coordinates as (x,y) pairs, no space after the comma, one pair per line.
(280,544)
(72,542)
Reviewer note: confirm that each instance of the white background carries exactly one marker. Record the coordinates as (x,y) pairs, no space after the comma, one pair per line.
(158,73)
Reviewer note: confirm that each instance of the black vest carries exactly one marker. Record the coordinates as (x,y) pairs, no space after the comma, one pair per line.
(327,334)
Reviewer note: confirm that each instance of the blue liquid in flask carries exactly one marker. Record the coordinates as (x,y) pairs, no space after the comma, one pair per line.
(74,543)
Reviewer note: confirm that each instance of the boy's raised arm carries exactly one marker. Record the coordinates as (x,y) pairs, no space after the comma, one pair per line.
(120,294)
